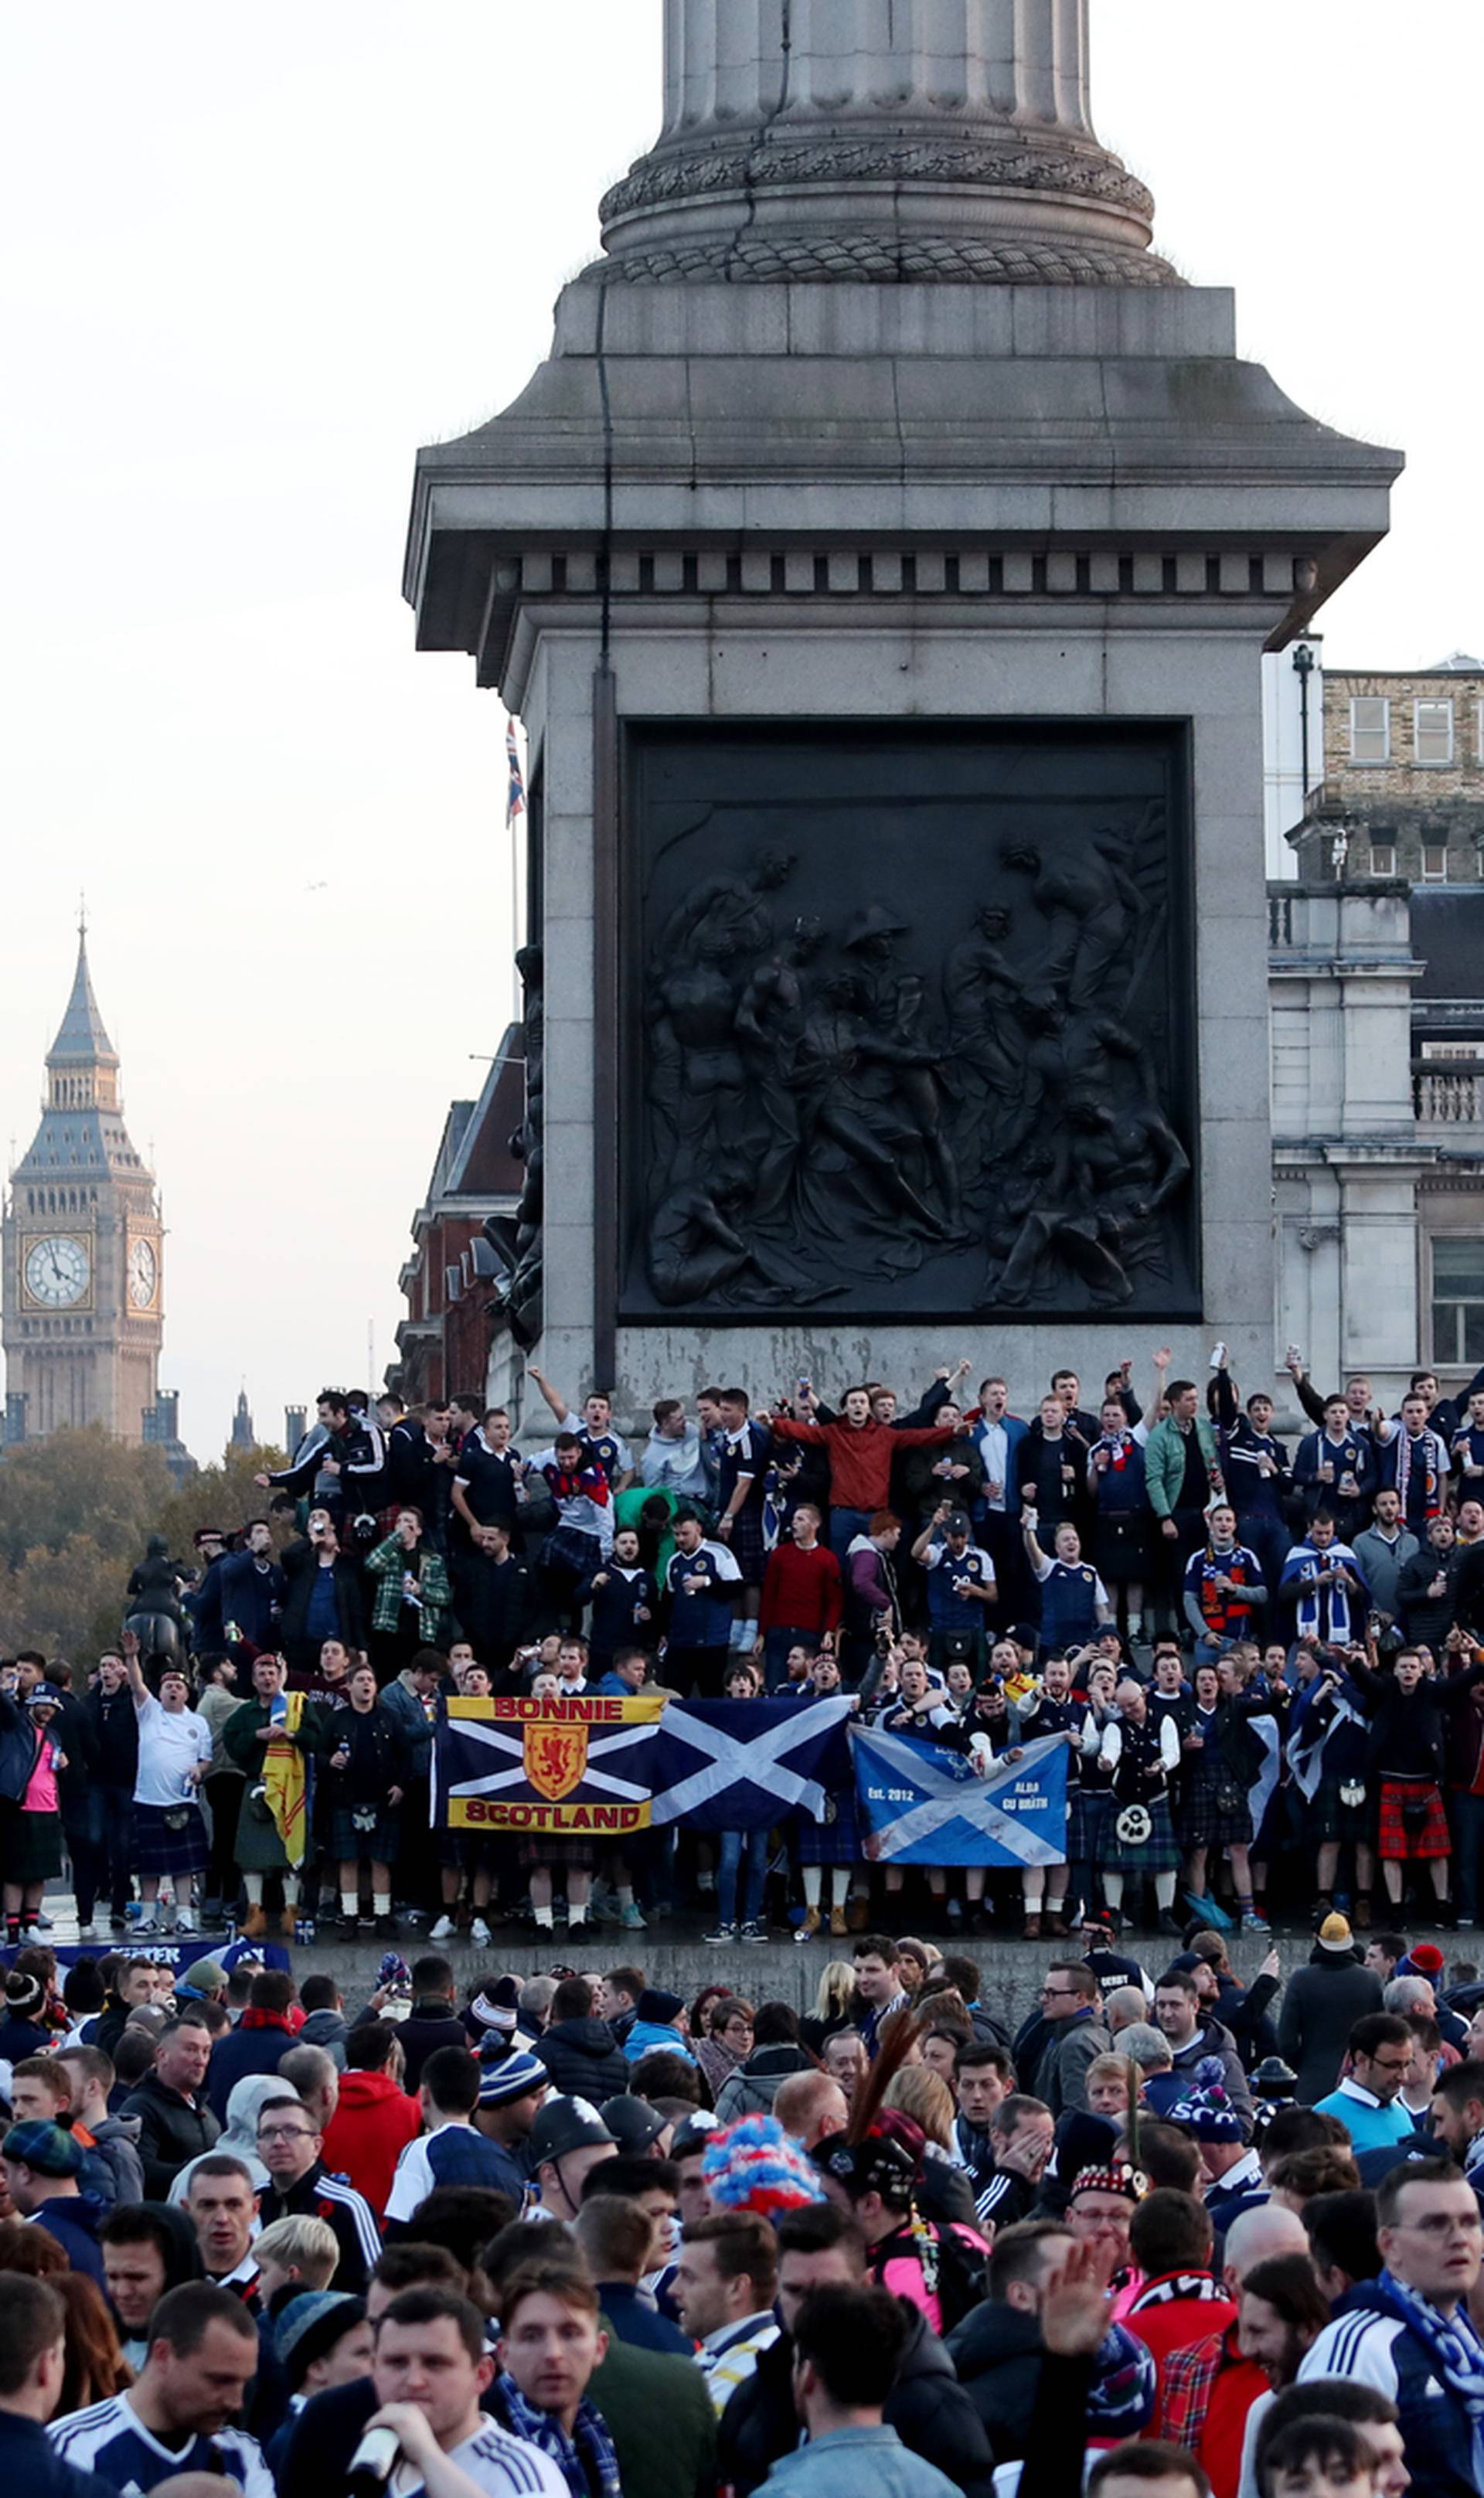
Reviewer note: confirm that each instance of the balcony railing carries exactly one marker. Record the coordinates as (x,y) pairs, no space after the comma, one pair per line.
(1448,1097)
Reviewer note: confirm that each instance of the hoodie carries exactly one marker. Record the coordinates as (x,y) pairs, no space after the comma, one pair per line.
(998,2355)
(674,1465)
(1213,2038)
(644,2034)
(753,2088)
(584,2058)
(114,2146)
(372,2127)
(328,2030)
(74,2220)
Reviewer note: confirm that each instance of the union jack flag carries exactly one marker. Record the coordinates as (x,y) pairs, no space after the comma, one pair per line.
(515,788)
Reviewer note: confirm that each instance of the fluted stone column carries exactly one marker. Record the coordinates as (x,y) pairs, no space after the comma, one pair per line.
(883,140)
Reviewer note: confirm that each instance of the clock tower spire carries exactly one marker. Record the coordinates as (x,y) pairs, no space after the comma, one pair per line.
(83,1310)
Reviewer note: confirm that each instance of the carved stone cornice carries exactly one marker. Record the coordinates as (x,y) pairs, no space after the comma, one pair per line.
(839,162)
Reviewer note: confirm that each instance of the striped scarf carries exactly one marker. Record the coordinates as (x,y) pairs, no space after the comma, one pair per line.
(1425,1451)
(586,2459)
(1454,2349)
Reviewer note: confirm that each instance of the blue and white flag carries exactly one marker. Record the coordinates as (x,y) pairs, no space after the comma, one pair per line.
(921,1805)
(745,1764)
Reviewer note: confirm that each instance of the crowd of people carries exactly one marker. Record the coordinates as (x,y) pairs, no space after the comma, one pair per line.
(1261,1660)
(570,2237)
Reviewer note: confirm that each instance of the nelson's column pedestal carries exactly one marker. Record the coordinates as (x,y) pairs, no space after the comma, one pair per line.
(881,564)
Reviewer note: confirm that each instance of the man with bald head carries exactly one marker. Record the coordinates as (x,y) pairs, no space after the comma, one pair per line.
(811,2107)
(1123,2008)
(1208,2388)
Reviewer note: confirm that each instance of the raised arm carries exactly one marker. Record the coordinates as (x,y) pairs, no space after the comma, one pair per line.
(557,1403)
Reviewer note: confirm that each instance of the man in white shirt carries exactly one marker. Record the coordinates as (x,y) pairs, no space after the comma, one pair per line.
(175,1753)
(430,2369)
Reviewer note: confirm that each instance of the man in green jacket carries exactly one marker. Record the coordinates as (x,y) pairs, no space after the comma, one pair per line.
(1183,1475)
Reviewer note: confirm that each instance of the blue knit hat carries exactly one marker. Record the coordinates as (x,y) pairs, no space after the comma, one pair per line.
(1207,2113)
(511,2077)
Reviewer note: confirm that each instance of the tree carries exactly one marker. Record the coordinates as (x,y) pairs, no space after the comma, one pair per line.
(222,1495)
(80,1483)
(68,1603)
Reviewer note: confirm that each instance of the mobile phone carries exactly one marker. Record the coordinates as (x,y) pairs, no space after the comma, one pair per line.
(803,1386)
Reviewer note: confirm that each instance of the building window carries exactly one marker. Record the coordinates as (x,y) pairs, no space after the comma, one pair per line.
(1369,728)
(1433,732)
(1383,856)
(1434,862)
(1458,1301)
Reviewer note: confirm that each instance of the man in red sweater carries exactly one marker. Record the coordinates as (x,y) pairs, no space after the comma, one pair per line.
(801,1595)
(374,2120)
(860,1451)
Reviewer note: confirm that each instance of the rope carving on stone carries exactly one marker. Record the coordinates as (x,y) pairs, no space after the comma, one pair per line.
(661,180)
(882,259)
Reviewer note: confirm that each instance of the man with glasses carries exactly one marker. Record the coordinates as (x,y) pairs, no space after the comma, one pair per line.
(1409,2335)
(1368,2098)
(289,2147)
(1070,2034)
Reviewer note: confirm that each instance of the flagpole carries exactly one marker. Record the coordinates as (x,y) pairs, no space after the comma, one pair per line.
(515,809)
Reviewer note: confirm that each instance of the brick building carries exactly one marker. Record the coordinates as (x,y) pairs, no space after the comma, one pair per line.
(454,1334)
(1404,769)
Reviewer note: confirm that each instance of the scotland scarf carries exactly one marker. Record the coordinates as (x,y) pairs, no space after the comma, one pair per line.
(1454,2349)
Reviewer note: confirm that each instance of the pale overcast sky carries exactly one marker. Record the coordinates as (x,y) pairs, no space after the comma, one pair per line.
(253,259)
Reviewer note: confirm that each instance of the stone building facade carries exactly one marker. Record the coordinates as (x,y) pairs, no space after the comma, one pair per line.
(1376,978)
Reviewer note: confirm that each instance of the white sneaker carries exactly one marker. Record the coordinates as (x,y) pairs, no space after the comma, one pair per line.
(443,1931)
(480,1934)
(185,1923)
(87,1934)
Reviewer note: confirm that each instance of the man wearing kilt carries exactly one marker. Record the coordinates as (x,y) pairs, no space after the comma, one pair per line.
(1405,1754)
(1142,1842)
(1327,1748)
(1215,1814)
(174,1754)
(1089,1796)
(740,1485)
(367,1758)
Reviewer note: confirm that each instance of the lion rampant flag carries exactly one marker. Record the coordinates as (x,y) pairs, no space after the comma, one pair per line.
(546,1765)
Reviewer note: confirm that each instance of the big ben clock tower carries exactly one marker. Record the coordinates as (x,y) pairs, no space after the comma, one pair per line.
(83,1296)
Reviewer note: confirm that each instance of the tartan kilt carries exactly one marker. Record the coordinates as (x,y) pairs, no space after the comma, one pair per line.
(1088,1820)
(1329,1817)
(746,1546)
(571,1548)
(347,1844)
(159,1850)
(1159,1853)
(1203,1823)
(1120,1545)
(834,1841)
(32,1849)
(557,1850)
(1395,1840)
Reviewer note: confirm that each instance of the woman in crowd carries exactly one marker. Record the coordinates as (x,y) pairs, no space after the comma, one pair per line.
(32,1828)
(724,2041)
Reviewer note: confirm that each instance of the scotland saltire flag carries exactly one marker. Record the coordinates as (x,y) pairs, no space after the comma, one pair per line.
(919,1805)
(745,1764)
(515,786)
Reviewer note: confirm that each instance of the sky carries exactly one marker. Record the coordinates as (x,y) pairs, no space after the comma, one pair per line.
(253,259)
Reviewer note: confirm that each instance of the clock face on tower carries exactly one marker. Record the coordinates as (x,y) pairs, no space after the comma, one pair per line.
(144,1274)
(56,1272)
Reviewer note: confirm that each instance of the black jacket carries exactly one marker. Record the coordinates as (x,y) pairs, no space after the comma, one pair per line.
(1424,1616)
(430,2024)
(115,1736)
(29,2462)
(1321,2003)
(997,2352)
(319,2197)
(495,1602)
(300,1564)
(928,2409)
(584,2058)
(171,2131)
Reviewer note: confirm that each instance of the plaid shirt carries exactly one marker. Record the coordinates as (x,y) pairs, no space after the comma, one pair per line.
(386,1564)
(1188,2384)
